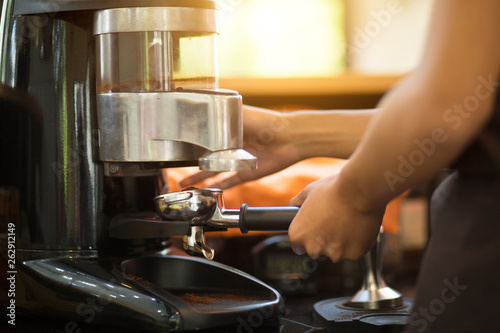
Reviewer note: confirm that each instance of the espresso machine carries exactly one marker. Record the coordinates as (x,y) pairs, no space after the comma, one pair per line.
(97,97)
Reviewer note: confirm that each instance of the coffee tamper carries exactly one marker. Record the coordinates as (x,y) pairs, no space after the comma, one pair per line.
(374,308)
(374,293)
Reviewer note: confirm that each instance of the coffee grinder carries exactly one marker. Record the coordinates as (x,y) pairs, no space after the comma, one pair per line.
(97,96)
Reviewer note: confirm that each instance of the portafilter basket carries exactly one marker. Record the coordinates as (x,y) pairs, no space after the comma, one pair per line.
(193,205)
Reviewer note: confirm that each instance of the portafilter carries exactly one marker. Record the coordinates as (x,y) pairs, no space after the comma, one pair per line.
(204,210)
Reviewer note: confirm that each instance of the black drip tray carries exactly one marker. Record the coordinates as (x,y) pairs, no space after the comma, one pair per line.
(206,294)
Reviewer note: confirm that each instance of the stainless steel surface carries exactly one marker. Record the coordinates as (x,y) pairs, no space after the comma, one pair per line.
(374,293)
(153,104)
(170,126)
(156,19)
(204,208)
(194,243)
(231,159)
(4,22)
(195,206)
(225,218)
(199,207)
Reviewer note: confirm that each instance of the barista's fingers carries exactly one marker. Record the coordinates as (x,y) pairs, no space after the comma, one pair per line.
(223,184)
(231,179)
(196,178)
(315,250)
(334,251)
(299,199)
(318,246)
(301,239)
(298,248)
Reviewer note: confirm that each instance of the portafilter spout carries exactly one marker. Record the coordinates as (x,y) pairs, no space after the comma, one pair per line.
(204,208)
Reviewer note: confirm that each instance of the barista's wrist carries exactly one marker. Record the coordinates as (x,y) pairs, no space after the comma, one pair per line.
(294,136)
(362,199)
(307,139)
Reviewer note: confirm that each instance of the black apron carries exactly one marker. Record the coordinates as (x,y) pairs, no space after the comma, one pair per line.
(459,281)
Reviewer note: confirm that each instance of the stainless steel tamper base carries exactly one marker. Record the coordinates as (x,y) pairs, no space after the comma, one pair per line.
(378,299)
(374,308)
(374,293)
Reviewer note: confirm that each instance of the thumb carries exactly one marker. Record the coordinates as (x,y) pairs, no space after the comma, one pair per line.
(299,199)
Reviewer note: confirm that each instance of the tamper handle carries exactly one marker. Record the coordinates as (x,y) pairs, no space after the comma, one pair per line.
(266,218)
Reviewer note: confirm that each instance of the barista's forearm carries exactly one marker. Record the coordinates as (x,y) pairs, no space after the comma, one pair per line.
(414,135)
(327,133)
(427,120)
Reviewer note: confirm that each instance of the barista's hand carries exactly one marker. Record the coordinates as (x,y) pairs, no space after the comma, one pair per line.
(267,138)
(329,223)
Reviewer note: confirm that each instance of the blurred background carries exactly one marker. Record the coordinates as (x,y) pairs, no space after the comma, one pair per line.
(320,38)
(320,53)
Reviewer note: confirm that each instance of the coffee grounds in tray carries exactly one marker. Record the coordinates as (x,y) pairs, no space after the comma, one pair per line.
(205,301)
(218,300)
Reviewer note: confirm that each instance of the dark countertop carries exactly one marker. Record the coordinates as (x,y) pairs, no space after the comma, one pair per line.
(298,318)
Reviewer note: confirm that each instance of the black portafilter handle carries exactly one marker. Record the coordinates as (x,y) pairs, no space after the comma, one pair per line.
(266,218)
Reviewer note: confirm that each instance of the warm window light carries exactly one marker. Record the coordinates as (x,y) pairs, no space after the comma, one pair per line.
(281,38)
(386,36)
